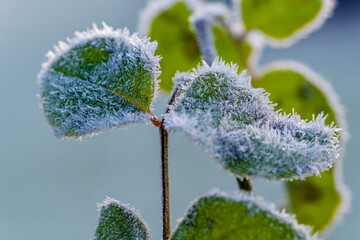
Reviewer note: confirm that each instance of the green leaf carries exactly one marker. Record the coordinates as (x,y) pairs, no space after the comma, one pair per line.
(99,79)
(317,200)
(177,42)
(280,19)
(237,125)
(117,221)
(230,50)
(241,216)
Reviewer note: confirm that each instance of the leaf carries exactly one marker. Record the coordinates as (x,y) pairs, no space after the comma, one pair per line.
(230,50)
(315,201)
(117,221)
(178,46)
(237,125)
(241,216)
(99,79)
(281,19)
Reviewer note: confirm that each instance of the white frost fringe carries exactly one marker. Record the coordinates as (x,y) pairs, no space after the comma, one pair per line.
(93,33)
(251,198)
(325,12)
(334,102)
(126,207)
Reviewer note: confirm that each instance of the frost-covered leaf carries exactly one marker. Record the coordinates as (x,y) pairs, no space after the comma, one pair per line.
(281,19)
(170,27)
(238,126)
(230,50)
(99,79)
(118,221)
(317,200)
(241,216)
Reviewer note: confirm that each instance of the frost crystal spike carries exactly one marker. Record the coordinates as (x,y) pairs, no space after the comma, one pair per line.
(119,221)
(237,125)
(99,79)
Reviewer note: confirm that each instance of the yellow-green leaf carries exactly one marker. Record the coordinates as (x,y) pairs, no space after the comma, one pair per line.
(241,216)
(280,19)
(177,42)
(317,200)
(230,50)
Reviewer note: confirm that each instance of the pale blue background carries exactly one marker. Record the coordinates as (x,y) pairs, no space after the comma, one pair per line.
(48,188)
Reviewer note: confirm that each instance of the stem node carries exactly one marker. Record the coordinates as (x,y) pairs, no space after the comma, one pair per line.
(244,184)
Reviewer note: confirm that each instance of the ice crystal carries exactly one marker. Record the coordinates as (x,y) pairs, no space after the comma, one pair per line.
(99,79)
(218,214)
(237,125)
(337,187)
(119,221)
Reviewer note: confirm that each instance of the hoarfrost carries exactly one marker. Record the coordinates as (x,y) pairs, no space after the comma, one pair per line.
(237,125)
(117,220)
(101,78)
(334,101)
(255,207)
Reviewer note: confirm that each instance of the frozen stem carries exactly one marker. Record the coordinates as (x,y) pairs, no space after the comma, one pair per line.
(205,38)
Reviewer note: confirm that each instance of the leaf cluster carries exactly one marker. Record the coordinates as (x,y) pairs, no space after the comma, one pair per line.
(105,78)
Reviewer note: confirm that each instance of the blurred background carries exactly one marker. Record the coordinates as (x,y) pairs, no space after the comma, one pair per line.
(49,188)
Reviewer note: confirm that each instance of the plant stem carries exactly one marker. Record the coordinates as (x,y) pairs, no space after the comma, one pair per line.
(205,38)
(244,184)
(166,218)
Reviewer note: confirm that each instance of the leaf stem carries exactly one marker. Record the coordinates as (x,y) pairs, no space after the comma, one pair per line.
(155,121)
(166,218)
(205,38)
(244,184)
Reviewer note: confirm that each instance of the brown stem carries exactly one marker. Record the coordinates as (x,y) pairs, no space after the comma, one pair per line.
(244,184)
(164,138)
